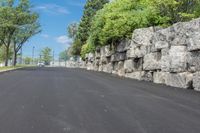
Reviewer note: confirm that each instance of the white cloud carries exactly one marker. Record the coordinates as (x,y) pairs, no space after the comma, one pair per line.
(64,40)
(52,9)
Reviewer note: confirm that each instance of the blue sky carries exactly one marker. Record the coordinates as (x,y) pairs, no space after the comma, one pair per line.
(55,15)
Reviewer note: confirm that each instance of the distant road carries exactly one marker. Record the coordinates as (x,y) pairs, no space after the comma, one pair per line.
(60,100)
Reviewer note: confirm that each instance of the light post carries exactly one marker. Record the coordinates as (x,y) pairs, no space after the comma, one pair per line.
(33,51)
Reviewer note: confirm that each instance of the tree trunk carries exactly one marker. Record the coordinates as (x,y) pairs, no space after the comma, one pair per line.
(15,59)
(7,56)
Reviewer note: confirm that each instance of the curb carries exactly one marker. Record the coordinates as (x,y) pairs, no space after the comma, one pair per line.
(10,70)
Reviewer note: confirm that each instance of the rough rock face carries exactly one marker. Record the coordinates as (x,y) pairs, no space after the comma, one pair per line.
(178,59)
(159,77)
(118,57)
(182,80)
(142,36)
(140,75)
(168,56)
(196,81)
(152,61)
(193,61)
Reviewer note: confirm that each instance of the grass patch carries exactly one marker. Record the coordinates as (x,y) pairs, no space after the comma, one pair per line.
(14,67)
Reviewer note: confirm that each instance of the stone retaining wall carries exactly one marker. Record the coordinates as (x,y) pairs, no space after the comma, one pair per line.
(168,56)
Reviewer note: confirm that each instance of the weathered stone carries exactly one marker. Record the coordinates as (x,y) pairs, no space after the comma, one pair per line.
(118,57)
(180,36)
(181,80)
(193,61)
(97,55)
(159,77)
(161,44)
(100,68)
(196,81)
(91,57)
(165,60)
(121,71)
(152,61)
(123,46)
(128,66)
(108,68)
(134,75)
(194,41)
(133,65)
(140,75)
(142,36)
(138,52)
(147,76)
(90,66)
(106,51)
(178,59)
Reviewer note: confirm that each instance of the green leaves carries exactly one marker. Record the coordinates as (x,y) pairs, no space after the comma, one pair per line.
(17,24)
(46,55)
(84,28)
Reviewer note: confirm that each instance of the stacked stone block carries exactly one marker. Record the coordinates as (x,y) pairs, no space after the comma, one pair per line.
(168,56)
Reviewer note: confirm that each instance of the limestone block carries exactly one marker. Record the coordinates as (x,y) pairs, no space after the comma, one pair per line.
(142,36)
(108,68)
(196,81)
(159,77)
(134,75)
(152,61)
(90,66)
(138,52)
(180,35)
(91,57)
(128,66)
(165,60)
(97,55)
(178,59)
(161,44)
(133,65)
(118,57)
(180,80)
(123,46)
(140,75)
(106,51)
(100,68)
(131,53)
(121,71)
(194,41)
(193,61)
(147,76)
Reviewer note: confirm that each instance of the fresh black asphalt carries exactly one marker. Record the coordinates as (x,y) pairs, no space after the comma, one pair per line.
(61,100)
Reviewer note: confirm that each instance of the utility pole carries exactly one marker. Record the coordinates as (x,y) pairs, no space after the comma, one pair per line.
(40,57)
(33,51)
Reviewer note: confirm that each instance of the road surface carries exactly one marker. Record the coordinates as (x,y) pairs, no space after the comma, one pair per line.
(60,100)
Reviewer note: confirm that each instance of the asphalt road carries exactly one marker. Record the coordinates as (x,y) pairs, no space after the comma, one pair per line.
(60,100)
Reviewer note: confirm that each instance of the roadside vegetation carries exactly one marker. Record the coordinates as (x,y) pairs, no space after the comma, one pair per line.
(18,23)
(105,22)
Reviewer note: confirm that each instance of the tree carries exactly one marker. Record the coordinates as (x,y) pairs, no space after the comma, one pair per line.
(90,9)
(65,55)
(27,60)
(3,53)
(21,36)
(176,10)
(14,16)
(72,30)
(46,55)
